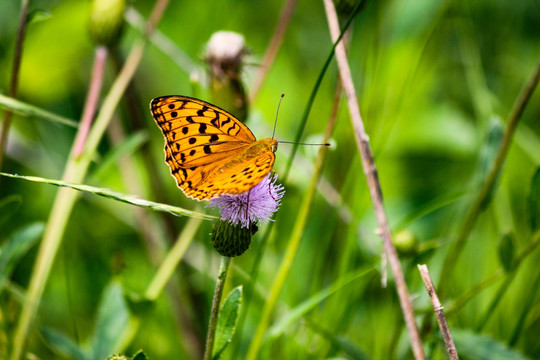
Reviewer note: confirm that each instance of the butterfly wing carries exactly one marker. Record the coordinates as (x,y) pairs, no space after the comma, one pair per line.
(238,175)
(198,137)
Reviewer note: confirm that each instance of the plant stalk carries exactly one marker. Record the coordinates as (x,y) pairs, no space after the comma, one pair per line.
(488,187)
(220,285)
(273,48)
(17,56)
(439,312)
(370,171)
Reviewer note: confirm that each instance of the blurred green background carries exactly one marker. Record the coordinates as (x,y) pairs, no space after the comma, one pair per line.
(434,79)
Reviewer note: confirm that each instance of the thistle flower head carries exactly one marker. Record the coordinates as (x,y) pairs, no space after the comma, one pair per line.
(253,206)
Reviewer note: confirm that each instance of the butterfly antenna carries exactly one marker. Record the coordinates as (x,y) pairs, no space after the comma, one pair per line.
(277,113)
(299,143)
(290,142)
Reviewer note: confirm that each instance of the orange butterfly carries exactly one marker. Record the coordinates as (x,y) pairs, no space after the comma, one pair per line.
(210,152)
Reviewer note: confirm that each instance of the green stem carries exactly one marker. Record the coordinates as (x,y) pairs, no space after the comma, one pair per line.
(65,199)
(76,169)
(222,276)
(162,277)
(315,90)
(505,286)
(497,275)
(17,56)
(172,259)
(292,248)
(489,185)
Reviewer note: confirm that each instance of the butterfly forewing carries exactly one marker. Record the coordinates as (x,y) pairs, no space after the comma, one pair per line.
(204,147)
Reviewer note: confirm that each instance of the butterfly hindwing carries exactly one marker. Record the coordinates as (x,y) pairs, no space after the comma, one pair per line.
(242,176)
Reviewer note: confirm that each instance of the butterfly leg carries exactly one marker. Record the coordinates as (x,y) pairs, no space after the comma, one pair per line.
(270,188)
(247,205)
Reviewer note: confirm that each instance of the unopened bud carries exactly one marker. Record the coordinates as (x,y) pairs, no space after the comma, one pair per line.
(106,21)
(231,240)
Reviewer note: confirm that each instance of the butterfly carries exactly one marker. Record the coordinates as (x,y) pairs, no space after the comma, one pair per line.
(209,151)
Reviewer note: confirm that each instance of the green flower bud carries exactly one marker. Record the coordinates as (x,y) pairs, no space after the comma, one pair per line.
(106,21)
(230,239)
(406,242)
(118,357)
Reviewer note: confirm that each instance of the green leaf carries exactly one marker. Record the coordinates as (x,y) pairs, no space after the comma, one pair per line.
(533,201)
(129,146)
(489,153)
(109,194)
(307,305)
(112,318)
(16,246)
(139,306)
(63,345)
(228,317)
(480,347)
(347,346)
(38,15)
(29,110)
(507,251)
(140,355)
(9,206)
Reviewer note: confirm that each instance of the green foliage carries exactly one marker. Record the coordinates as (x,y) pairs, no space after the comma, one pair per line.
(15,247)
(436,84)
(481,347)
(507,252)
(227,320)
(112,319)
(533,201)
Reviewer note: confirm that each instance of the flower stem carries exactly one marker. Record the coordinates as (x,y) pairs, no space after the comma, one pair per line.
(91,99)
(169,264)
(273,48)
(370,171)
(14,77)
(222,276)
(488,186)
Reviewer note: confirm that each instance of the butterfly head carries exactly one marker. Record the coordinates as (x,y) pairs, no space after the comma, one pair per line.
(273,145)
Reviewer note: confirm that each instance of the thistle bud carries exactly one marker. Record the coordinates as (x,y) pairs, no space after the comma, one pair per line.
(106,21)
(230,239)
(225,54)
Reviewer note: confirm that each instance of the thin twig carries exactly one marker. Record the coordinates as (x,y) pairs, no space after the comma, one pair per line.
(439,312)
(220,284)
(488,187)
(17,56)
(92,98)
(370,172)
(273,49)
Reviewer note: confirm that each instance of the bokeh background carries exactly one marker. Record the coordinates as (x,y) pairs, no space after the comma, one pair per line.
(436,82)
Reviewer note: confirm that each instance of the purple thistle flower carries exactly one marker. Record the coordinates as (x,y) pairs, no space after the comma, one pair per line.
(252,206)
